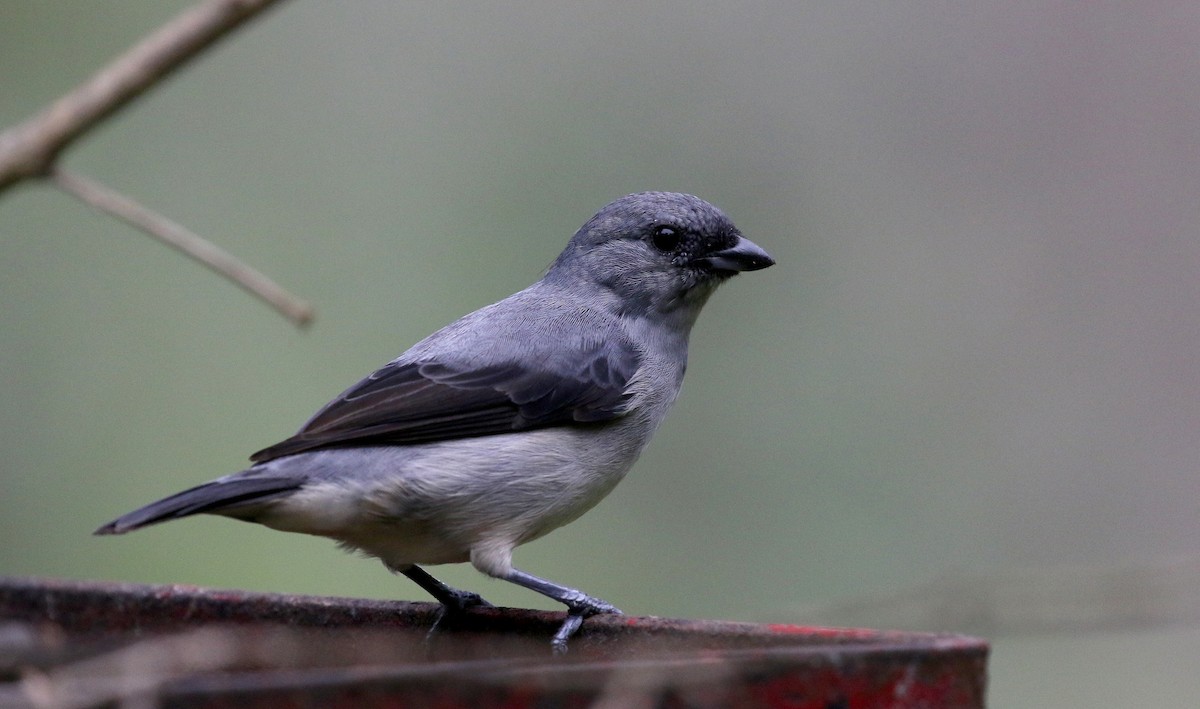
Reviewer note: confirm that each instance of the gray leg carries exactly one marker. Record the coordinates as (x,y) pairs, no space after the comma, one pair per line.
(452,599)
(579,605)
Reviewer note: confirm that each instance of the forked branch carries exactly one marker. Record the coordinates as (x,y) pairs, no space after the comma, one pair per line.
(31,149)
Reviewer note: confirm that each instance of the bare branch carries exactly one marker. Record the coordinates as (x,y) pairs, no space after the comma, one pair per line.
(30,148)
(175,235)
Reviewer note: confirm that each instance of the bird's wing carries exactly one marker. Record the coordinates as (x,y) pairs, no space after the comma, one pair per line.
(430,400)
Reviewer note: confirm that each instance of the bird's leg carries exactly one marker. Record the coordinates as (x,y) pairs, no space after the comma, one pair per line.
(452,599)
(579,605)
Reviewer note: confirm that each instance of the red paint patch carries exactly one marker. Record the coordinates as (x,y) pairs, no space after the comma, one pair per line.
(818,631)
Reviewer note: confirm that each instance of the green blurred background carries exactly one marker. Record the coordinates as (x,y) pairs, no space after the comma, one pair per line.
(978,353)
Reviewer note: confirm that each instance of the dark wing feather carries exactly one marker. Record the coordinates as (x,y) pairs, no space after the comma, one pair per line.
(424,401)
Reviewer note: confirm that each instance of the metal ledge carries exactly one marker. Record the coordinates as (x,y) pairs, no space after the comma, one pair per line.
(84,644)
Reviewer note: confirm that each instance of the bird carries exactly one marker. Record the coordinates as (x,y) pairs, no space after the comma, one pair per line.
(506,424)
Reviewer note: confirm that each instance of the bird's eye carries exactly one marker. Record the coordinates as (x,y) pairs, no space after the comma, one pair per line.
(665,238)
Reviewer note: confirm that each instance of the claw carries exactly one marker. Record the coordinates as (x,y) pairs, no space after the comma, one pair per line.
(579,608)
(459,601)
(558,645)
(587,606)
(452,605)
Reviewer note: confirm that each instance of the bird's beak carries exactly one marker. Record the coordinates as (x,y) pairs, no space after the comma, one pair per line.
(745,255)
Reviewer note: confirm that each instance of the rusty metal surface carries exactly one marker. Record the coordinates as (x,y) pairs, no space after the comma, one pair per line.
(90,644)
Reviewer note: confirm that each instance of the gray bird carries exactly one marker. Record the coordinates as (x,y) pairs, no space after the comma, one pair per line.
(506,424)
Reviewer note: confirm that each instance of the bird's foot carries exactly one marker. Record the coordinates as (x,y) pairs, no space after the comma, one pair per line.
(454,601)
(454,604)
(579,606)
(458,601)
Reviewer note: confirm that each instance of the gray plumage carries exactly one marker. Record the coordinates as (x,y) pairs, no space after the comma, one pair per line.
(506,424)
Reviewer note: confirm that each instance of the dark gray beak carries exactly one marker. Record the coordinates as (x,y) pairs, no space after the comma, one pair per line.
(745,255)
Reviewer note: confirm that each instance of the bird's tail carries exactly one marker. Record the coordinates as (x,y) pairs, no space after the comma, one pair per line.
(224,496)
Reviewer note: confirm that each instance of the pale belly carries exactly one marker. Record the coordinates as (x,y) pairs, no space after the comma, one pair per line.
(473,499)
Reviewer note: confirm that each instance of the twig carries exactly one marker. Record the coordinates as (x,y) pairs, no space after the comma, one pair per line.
(174,234)
(30,150)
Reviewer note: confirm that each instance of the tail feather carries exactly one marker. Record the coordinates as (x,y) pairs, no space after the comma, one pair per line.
(214,496)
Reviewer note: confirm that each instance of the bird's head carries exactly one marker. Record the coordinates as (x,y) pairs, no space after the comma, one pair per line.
(658,251)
